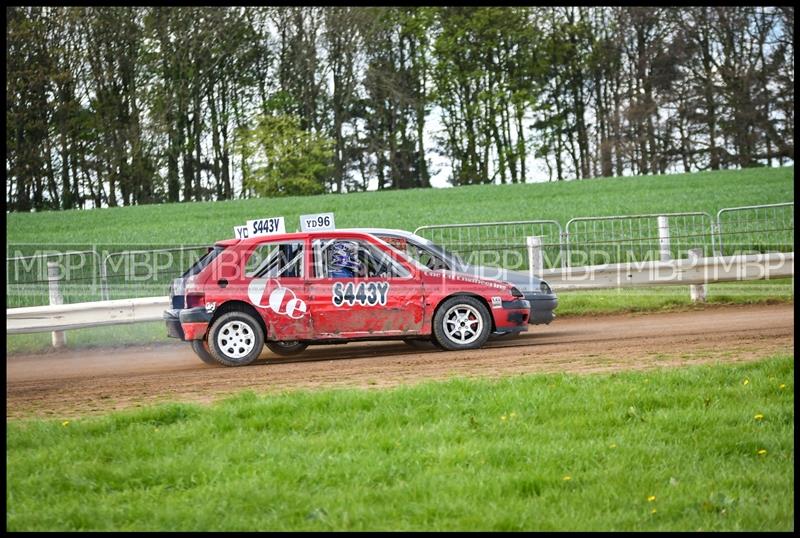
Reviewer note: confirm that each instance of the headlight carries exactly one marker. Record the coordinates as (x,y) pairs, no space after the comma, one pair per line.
(544,288)
(515,292)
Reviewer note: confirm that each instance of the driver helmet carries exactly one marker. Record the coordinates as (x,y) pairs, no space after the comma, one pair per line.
(344,255)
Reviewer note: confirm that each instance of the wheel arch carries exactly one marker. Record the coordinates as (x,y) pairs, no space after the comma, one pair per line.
(239,306)
(465,294)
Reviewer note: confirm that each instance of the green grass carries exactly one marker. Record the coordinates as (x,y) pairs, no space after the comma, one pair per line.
(130,334)
(199,223)
(675,449)
(669,298)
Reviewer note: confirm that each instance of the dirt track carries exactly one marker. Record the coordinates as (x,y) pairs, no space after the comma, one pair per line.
(76,383)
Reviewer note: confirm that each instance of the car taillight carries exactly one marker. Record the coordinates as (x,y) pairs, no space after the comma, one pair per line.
(195,300)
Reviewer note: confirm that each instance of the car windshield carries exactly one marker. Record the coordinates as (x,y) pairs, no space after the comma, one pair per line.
(402,254)
(423,251)
(430,245)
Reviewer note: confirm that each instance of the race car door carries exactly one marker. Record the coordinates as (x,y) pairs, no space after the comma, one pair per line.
(275,278)
(382,298)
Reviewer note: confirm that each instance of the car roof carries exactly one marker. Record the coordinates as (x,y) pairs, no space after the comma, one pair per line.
(294,236)
(386,231)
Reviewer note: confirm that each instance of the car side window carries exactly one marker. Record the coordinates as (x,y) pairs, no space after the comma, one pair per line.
(276,260)
(420,254)
(353,258)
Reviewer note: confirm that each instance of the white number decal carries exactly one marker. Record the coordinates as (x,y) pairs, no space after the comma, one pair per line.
(272,225)
(321,221)
(365,293)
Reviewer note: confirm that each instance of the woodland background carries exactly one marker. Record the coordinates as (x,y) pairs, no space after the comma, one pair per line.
(137,105)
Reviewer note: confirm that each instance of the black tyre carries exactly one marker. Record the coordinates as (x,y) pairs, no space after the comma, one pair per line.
(200,348)
(287,347)
(236,339)
(419,344)
(504,336)
(462,322)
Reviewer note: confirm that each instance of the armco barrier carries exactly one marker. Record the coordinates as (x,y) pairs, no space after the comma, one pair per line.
(36,319)
(674,272)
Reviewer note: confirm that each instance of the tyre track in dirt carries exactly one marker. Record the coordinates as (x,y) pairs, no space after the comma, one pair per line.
(75,383)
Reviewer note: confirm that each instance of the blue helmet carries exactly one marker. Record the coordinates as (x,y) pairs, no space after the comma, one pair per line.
(344,254)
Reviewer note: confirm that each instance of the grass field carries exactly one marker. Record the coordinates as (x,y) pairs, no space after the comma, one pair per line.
(695,448)
(198,223)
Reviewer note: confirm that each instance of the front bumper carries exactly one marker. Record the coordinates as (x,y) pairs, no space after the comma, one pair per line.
(542,307)
(513,317)
(187,323)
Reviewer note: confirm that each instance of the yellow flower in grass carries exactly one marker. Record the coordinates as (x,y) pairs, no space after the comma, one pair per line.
(651,498)
(746,381)
(503,417)
(65,423)
(759,416)
(653,511)
(566,478)
(762,452)
(782,386)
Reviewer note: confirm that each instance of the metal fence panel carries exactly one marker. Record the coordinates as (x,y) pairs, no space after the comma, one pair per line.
(756,228)
(498,244)
(27,281)
(89,273)
(628,238)
(146,272)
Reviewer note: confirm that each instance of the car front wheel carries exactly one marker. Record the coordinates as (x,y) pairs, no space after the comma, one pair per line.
(462,322)
(236,339)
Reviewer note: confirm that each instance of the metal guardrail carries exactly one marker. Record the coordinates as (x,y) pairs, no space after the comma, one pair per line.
(81,315)
(697,271)
(693,271)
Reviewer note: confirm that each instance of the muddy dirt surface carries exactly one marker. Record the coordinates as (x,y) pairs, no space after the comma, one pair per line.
(87,382)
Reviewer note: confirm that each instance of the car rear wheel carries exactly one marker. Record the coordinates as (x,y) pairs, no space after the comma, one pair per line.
(235,339)
(462,322)
(287,347)
(200,348)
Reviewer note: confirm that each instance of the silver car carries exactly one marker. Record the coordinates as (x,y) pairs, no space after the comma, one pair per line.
(537,291)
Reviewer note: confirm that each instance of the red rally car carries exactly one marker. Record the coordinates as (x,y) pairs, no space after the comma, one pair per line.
(289,290)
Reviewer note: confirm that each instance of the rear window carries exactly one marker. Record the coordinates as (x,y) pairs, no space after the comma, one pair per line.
(203,262)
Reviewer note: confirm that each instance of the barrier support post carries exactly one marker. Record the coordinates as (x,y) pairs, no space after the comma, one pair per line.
(697,292)
(535,256)
(59,339)
(663,239)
